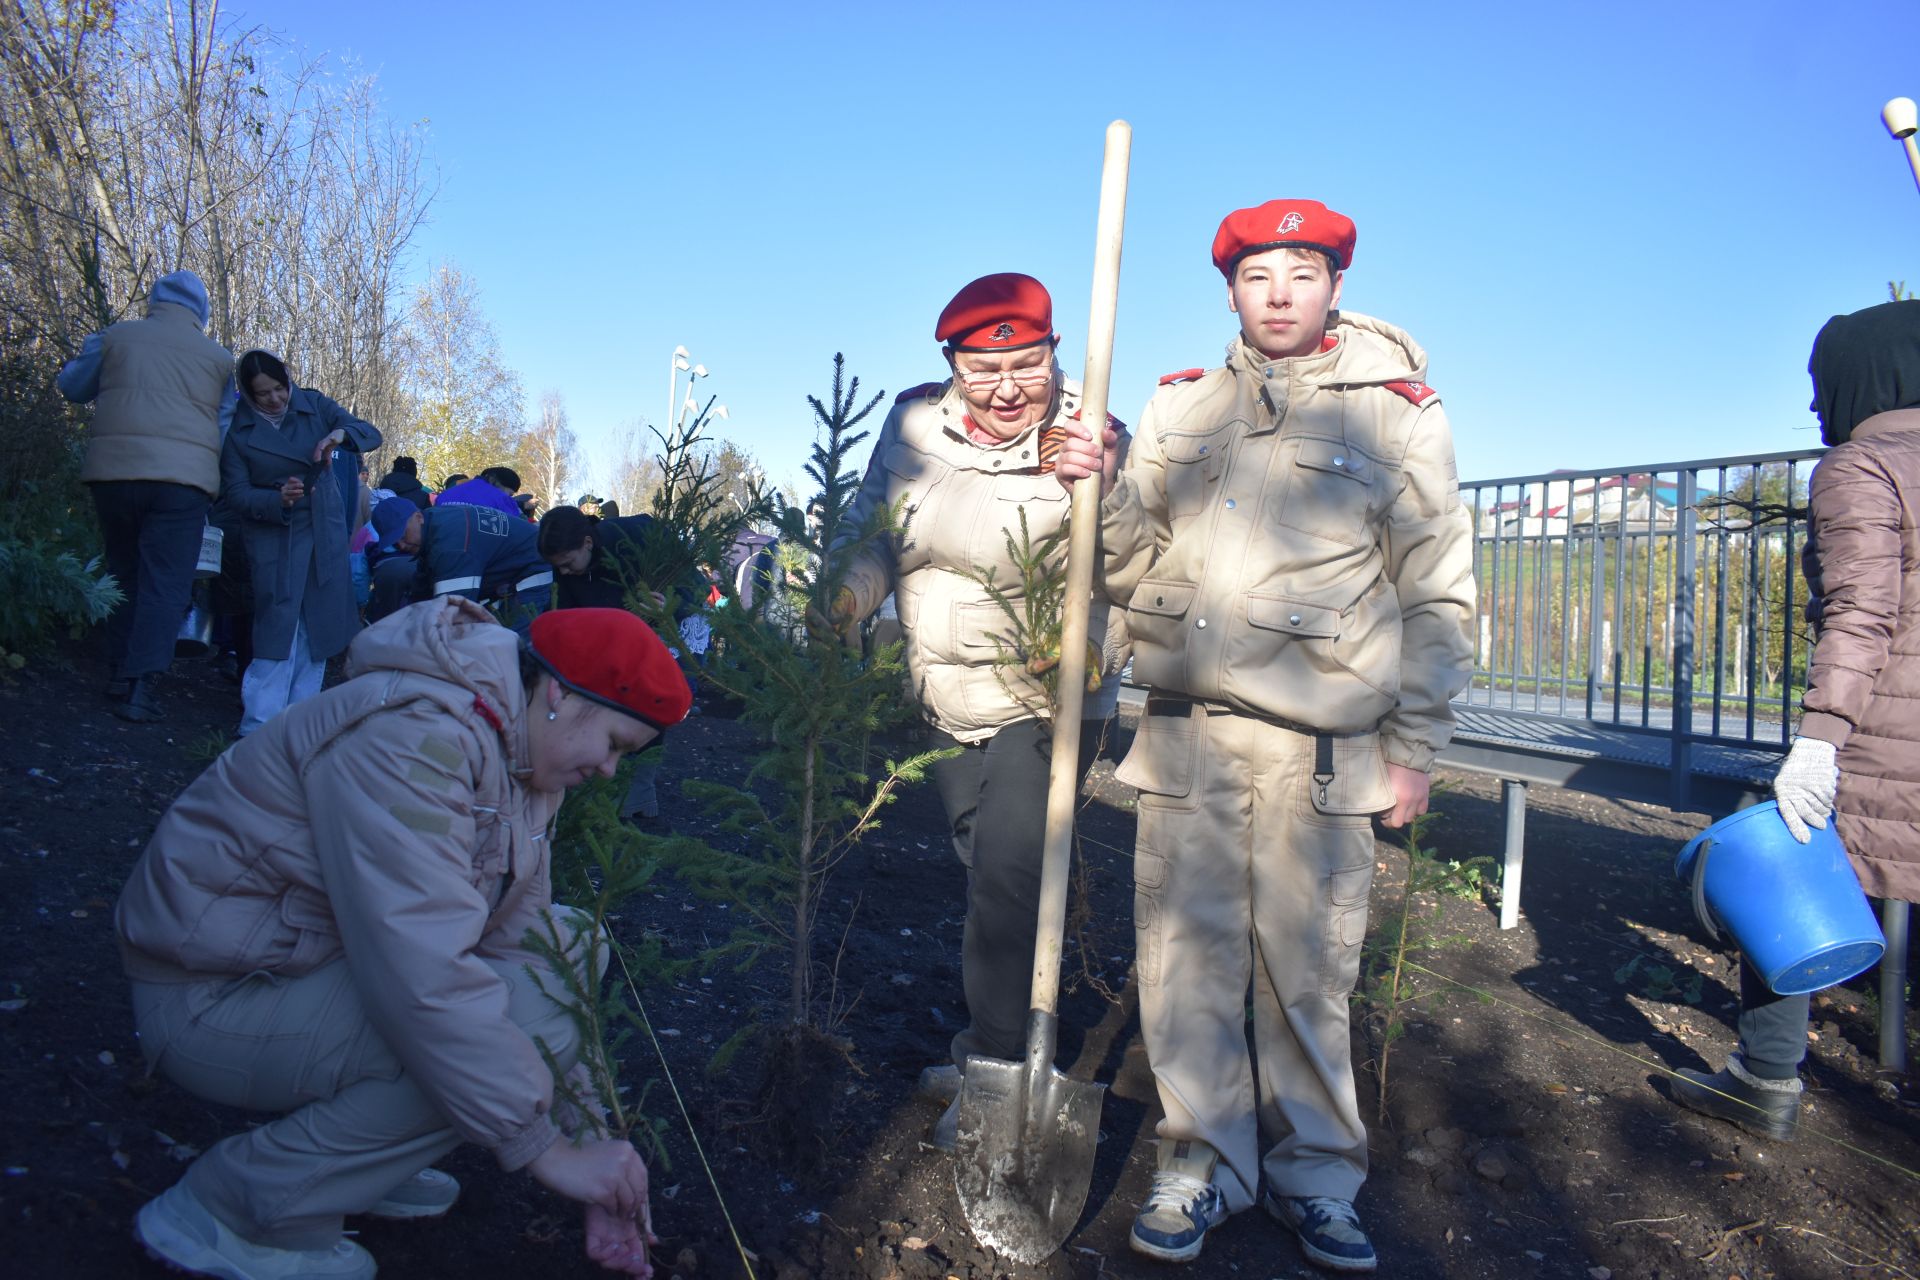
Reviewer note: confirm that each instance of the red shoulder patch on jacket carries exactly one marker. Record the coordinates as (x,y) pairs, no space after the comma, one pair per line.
(912,393)
(488,714)
(1185,375)
(1417,392)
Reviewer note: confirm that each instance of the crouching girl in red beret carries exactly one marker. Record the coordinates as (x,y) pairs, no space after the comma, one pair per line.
(330,922)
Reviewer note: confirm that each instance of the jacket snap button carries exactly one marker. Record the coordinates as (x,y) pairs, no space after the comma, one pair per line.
(1269,371)
(1229,504)
(1202,624)
(1159,599)
(1339,462)
(1293,620)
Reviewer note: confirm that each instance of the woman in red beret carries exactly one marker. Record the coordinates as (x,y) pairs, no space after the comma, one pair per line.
(330,923)
(962,460)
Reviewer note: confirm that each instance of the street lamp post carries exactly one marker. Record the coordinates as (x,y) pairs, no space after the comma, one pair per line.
(679,361)
(1902,119)
(698,371)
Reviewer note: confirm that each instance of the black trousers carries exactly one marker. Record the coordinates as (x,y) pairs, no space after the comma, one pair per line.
(995,793)
(1773,1028)
(152,534)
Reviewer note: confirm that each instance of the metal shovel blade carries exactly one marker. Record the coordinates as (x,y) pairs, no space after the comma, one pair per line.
(1026,1148)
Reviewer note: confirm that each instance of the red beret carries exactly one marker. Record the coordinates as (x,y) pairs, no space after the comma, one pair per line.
(612,657)
(1282,224)
(997,313)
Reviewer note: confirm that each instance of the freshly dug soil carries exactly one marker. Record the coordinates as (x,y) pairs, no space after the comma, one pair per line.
(1524,1134)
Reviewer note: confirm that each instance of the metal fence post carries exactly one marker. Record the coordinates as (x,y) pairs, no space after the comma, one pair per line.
(1894,917)
(1685,567)
(1513,796)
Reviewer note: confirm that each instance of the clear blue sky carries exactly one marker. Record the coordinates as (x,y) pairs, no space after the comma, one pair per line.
(1615,227)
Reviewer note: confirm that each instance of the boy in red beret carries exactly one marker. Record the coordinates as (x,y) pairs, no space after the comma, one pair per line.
(1289,542)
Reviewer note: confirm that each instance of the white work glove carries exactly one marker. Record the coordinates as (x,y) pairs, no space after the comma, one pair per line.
(1805,786)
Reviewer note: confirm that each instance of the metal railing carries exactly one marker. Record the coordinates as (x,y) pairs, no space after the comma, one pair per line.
(1663,599)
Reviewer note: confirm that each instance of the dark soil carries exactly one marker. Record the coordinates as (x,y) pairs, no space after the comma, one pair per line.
(1525,1133)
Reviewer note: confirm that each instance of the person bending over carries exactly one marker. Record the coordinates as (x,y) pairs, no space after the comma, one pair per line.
(330,923)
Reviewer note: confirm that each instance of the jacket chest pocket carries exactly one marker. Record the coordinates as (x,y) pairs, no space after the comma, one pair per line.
(916,490)
(1195,464)
(1330,493)
(1005,499)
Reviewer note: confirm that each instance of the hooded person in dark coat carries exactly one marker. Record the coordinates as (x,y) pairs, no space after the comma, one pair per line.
(404,482)
(277,476)
(1856,758)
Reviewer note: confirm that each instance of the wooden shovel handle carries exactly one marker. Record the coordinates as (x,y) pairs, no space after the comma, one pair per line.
(1063,783)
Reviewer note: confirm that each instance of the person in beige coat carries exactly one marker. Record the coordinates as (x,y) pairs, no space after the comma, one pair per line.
(331,922)
(960,461)
(1288,539)
(153,466)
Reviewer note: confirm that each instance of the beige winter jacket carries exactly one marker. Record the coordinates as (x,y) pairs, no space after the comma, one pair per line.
(958,501)
(1289,540)
(386,820)
(157,415)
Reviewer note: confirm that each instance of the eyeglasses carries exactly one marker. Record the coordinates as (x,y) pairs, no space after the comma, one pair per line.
(1036,376)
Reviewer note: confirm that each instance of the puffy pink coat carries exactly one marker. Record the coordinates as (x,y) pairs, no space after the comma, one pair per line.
(387,821)
(1863,683)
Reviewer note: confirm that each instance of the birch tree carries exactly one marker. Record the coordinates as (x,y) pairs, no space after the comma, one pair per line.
(546,458)
(467,407)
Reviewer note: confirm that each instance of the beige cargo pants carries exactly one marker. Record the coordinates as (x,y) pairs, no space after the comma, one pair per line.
(356,1125)
(1246,875)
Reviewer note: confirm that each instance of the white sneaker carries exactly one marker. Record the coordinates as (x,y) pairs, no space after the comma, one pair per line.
(427,1194)
(179,1231)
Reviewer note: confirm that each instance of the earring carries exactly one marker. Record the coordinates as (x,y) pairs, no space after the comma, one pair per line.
(553,715)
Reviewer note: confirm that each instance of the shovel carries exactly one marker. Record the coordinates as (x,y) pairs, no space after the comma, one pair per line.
(1027,1132)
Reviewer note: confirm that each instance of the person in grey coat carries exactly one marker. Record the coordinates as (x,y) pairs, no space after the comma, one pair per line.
(276,475)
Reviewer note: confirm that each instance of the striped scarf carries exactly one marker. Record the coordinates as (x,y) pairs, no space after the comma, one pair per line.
(1051,438)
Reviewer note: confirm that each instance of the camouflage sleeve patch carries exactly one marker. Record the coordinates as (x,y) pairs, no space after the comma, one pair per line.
(420,773)
(422,820)
(444,752)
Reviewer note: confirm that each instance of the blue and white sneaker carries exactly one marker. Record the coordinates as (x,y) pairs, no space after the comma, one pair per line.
(1328,1229)
(1183,1205)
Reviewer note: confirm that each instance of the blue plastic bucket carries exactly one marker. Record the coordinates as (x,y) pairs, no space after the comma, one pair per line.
(1796,911)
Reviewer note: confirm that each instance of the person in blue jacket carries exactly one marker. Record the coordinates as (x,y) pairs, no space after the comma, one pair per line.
(475,552)
(493,488)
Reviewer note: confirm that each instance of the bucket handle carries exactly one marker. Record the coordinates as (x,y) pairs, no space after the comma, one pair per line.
(1701,911)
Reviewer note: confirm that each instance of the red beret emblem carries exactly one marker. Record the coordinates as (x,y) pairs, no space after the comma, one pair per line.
(1296,224)
(997,313)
